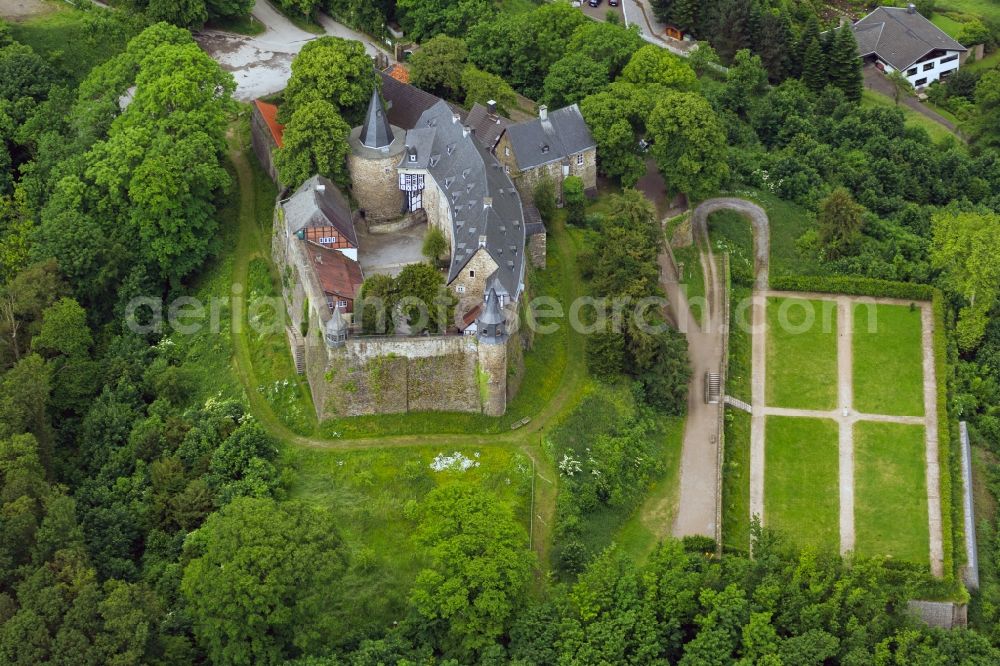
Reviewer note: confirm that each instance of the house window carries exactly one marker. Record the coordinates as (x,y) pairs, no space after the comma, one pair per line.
(579,159)
(342,305)
(920,82)
(460,288)
(327,240)
(472,274)
(911,71)
(506,151)
(950,58)
(506,168)
(929,66)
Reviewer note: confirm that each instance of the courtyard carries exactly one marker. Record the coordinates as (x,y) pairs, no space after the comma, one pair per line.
(843,441)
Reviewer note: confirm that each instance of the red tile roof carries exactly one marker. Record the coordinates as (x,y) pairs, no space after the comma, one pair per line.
(399,73)
(470,317)
(337,273)
(270,114)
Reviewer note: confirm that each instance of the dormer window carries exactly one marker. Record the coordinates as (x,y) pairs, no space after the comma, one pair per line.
(545,149)
(451,148)
(411,154)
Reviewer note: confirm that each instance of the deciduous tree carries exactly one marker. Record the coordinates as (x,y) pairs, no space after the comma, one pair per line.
(964,248)
(260,580)
(315,142)
(331,69)
(689,144)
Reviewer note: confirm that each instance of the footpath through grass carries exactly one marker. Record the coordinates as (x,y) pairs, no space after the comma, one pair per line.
(888,360)
(890,498)
(801,485)
(801,353)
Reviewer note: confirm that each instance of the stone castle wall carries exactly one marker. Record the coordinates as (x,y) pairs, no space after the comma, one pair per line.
(384,375)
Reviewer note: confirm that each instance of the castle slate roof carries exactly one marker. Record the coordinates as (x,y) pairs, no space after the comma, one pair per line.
(405,103)
(485,207)
(900,36)
(376,132)
(563,133)
(487,126)
(319,203)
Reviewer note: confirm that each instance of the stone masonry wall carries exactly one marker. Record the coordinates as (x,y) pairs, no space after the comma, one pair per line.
(393,375)
(483,266)
(375,185)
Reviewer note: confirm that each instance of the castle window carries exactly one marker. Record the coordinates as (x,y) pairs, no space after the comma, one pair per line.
(579,159)
(472,274)
(460,288)
(327,240)
(506,151)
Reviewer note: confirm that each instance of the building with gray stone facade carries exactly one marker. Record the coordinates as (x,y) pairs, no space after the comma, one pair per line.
(555,145)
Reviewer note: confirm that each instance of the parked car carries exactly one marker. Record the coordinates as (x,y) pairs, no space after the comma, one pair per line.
(594,3)
(612,3)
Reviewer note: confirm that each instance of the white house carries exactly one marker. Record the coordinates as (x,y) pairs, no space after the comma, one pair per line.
(900,39)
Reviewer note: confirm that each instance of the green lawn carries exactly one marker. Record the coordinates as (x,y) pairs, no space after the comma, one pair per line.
(692,279)
(888,360)
(801,484)
(736,470)
(890,496)
(936,131)
(801,354)
(374,494)
(73,41)
(731,231)
(988,9)
(948,24)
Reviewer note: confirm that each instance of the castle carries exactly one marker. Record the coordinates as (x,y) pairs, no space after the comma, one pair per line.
(433,174)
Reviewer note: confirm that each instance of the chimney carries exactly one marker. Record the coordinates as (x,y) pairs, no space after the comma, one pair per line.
(911,9)
(455,117)
(543,112)
(491,106)
(466,131)
(487,202)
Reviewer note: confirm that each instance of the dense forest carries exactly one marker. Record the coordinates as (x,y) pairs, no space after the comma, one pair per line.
(146,520)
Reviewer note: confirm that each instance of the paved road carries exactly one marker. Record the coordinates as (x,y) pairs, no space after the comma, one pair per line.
(877,81)
(640,14)
(261,64)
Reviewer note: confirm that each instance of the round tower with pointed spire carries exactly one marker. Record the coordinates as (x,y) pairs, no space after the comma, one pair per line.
(376,149)
(493,337)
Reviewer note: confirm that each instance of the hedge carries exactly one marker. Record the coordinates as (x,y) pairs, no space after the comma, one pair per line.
(855,286)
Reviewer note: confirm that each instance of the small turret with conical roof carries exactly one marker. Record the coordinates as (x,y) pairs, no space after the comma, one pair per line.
(336,329)
(492,324)
(376,132)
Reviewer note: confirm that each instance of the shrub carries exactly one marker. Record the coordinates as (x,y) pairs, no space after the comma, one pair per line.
(575,200)
(545,199)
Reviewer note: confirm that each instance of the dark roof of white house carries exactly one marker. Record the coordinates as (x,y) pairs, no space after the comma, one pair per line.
(900,36)
(485,207)
(319,203)
(563,133)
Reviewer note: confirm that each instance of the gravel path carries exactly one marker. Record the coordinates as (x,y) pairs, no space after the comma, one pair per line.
(697,508)
(845,394)
(262,64)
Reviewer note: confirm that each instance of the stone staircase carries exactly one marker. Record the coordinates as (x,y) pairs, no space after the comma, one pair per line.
(738,404)
(298,346)
(713,388)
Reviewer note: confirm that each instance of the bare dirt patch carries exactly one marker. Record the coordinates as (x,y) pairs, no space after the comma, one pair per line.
(19,10)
